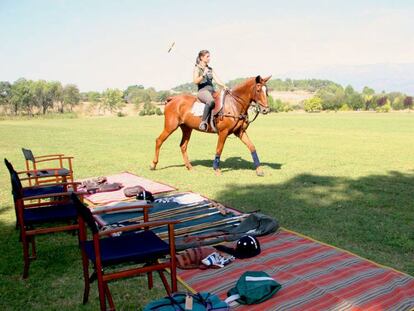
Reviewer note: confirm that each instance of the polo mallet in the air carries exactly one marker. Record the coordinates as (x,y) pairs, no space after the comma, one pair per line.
(173,48)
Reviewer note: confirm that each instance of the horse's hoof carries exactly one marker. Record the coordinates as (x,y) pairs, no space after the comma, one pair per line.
(189,167)
(152,167)
(259,172)
(217,172)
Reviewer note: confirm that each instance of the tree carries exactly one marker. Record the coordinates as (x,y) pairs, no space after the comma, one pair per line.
(21,96)
(139,96)
(130,89)
(398,103)
(93,97)
(382,100)
(162,96)
(368,97)
(313,104)
(53,94)
(352,99)
(112,100)
(332,97)
(38,90)
(71,96)
(5,94)
(408,102)
(45,94)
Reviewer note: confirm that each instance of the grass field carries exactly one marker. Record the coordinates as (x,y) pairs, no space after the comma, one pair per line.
(346,179)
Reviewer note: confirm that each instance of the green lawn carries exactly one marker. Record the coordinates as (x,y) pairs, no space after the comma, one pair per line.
(344,178)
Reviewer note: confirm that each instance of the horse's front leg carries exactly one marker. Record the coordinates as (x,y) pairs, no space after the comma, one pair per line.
(222,136)
(246,140)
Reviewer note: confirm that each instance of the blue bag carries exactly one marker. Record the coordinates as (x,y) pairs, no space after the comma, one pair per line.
(200,302)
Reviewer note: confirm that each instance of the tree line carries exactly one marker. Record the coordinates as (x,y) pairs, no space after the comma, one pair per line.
(37,97)
(328,95)
(335,97)
(31,97)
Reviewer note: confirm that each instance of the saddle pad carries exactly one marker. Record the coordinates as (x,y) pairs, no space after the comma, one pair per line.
(198,107)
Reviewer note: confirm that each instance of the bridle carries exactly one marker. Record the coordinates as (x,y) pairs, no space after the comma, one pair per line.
(242,102)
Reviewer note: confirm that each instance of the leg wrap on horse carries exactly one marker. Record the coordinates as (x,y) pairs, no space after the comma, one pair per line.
(216,163)
(255,159)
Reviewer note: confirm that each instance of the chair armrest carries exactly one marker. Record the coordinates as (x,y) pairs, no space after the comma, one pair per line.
(50,195)
(49,155)
(39,170)
(75,184)
(148,224)
(36,176)
(54,159)
(119,208)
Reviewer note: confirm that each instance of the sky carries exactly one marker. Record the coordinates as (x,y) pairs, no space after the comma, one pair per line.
(113,44)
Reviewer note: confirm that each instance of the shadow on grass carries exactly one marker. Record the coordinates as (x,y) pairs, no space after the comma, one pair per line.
(229,164)
(372,216)
(235,163)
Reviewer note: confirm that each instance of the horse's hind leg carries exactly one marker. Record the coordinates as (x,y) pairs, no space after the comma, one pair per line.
(184,143)
(168,130)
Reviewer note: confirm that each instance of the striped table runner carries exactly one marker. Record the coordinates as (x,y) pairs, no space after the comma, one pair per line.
(314,276)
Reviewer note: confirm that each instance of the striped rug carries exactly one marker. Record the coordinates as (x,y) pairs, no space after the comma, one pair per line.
(127,180)
(314,276)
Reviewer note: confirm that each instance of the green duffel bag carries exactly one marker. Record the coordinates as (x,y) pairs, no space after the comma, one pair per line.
(177,302)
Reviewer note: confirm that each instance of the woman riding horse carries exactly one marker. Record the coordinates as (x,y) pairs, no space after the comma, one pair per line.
(232,119)
(204,76)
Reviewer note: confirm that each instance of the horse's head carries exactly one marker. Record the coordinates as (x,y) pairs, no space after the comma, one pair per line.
(260,95)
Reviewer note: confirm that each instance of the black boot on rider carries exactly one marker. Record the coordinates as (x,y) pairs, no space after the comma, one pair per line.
(206,114)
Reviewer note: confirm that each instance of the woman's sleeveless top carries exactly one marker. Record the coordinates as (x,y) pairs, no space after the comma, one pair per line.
(207,82)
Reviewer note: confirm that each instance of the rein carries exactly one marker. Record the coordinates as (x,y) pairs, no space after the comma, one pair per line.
(241,115)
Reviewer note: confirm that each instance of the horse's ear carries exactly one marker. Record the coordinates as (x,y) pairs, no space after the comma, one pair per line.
(258,79)
(266,79)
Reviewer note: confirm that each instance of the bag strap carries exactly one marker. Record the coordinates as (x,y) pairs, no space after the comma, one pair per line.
(175,303)
(231,300)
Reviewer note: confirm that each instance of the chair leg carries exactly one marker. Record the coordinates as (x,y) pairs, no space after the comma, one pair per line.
(26,258)
(165,282)
(173,272)
(85,264)
(150,280)
(101,290)
(32,240)
(109,296)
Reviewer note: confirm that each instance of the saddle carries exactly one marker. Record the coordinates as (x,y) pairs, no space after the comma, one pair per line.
(198,106)
(218,102)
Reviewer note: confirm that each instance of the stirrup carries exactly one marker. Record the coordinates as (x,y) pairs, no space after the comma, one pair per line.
(203,126)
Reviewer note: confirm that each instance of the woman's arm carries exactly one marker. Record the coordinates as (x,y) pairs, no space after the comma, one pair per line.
(218,81)
(196,75)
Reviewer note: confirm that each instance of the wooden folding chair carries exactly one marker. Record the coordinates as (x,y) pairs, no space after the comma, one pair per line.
(58,173)
(53,211)
(142,248)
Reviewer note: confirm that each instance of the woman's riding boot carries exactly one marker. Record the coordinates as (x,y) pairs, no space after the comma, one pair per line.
(206,113)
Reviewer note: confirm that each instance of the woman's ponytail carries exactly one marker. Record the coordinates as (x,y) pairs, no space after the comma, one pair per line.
(200,54)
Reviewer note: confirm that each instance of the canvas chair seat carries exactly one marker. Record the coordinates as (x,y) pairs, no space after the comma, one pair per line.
(137,247)
(46,173)
(49,214)
(42,191)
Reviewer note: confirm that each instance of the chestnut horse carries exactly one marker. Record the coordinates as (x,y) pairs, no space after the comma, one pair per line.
(233,119)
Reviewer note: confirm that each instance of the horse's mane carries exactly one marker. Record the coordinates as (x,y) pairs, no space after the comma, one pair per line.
(243,84)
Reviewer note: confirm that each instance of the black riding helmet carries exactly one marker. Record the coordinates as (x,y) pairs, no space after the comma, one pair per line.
(145,195)
(247,246)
